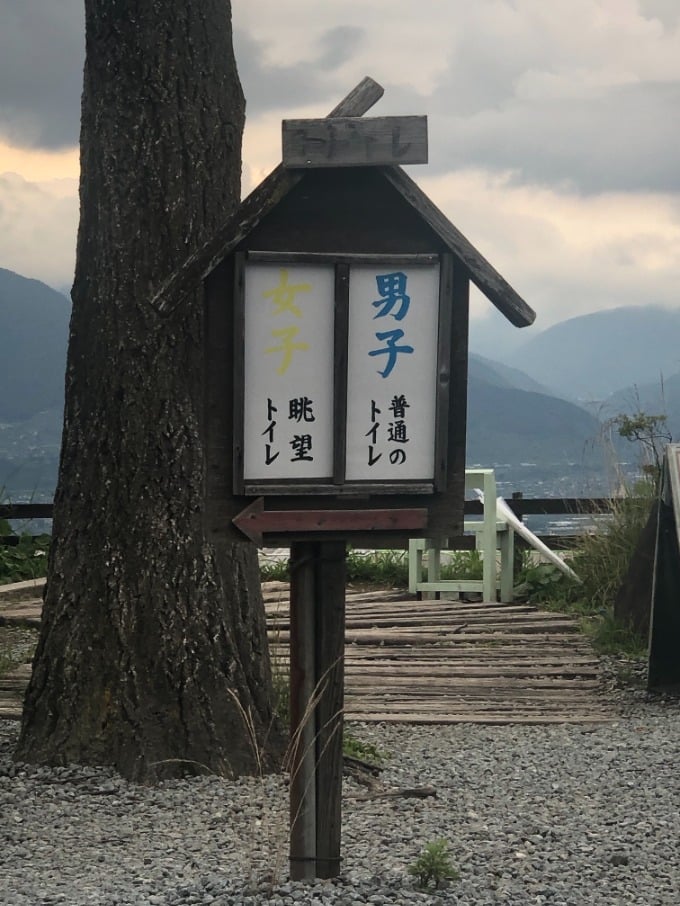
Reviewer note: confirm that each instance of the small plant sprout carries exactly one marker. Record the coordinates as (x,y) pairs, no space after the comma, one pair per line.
(364,751)
(433,867)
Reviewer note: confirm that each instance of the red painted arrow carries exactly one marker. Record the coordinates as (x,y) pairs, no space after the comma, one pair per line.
(255,521)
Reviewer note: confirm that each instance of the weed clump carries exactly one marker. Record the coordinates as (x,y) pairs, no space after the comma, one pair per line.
(353,747)
(600,559)
(23,557)
(433,867)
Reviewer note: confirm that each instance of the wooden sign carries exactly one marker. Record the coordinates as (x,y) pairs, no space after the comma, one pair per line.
(392,373)
(337,309)
(288,418)
(355,142)
(340,362)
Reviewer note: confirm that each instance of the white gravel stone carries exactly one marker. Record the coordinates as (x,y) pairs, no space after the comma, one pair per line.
(561,815)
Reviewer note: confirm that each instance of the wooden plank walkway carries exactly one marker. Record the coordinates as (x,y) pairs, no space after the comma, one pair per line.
(424,661)
(453,662)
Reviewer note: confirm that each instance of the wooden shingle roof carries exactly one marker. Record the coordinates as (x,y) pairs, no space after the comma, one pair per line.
(263,199)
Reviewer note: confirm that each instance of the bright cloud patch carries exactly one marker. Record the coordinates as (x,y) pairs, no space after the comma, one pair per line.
(567,254)
(38,224)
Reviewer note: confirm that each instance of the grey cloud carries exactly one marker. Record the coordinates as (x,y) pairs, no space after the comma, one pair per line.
(42,48)
(666,11)
(626,139)
(338,45)
(268,87)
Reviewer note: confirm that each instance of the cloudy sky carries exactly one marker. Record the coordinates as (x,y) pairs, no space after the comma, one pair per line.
(554,129)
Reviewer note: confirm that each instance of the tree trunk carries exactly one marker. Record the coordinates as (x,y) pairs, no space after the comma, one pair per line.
(153,653)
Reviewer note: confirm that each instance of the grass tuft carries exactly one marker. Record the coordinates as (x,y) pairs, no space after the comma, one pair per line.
(25,559)
(601,560)
(433,867)
(354,747)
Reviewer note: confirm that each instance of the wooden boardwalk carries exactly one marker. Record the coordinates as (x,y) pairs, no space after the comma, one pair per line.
(452,662)
(20,606)
(425,661)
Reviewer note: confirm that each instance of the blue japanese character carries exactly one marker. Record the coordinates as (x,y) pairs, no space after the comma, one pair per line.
(392,288)
(391,350)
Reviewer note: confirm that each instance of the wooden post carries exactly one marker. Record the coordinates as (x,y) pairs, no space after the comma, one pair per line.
(317,632)
(664,635)
(330,663)
(302,723)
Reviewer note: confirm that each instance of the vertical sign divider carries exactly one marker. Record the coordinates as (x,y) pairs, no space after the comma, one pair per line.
(341,333)
(443,372)
(239,370)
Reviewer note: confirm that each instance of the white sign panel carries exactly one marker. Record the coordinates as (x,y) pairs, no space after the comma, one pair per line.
(288,407)
(392,368)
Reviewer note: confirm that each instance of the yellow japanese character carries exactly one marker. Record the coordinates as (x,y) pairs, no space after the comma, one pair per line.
(283,295)
(287,346)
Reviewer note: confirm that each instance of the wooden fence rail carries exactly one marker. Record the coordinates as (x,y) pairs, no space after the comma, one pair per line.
(521,506)
(26,510)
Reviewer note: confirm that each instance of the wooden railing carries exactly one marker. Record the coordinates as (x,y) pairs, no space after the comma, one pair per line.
(521,506)
(26,510)
(548,506)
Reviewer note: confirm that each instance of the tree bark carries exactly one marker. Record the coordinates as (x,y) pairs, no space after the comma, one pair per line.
(153,652)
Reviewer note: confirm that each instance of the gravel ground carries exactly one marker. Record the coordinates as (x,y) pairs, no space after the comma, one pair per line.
(562,815)
(17,645)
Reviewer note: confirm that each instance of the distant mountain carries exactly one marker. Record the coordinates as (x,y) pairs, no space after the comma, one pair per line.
(512,418)
(509,425)
(29,456)
(592,356)
(33,337)
(499,375)
(656,398)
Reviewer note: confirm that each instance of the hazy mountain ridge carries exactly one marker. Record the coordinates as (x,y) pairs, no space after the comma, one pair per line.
(662,397)
(34,320)
(500,375)
(506,424)
(591,357)
(513,419)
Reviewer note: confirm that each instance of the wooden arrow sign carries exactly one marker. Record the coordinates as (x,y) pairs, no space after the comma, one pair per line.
(254,521)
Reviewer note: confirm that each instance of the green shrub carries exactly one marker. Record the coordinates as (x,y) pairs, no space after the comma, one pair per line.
(25,560)
(464,565)
(386,568)
(542,583)
(364,751)
(600,559)
(433,867)
(273,569)
(610,637)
